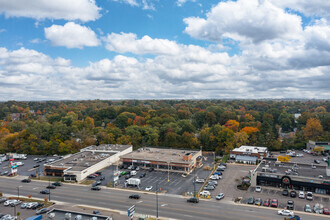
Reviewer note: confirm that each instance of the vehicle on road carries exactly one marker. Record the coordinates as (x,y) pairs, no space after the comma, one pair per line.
(285,212)
(148,188)
(258,201)
(42,211)
(301,194)
(266,202)
(317,161)
(51,187)
(307,208)
(220,196)
(258,189)
(102,178)
(96,212)
(57,184)
(293,194)
(134,196)
(36,165)
(309,196)
(274,203)
(96,188)
(290,205)
(142,175)
(251,200)
(285,192)
(26,180)
(193,200)
(46,191)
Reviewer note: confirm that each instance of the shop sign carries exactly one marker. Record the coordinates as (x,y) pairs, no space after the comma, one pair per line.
(286,180)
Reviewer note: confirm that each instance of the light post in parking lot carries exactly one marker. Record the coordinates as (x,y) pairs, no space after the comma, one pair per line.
(168,171)
(157,200)
(17,192)
(49,188)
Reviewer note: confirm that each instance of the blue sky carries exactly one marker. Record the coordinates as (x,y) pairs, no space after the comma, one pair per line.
(156,49)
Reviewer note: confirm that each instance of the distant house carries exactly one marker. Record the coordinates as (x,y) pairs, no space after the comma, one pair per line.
(249,154)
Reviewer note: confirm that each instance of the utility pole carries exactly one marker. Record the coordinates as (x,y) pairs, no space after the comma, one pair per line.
(195,181)
(18,192)
(49,189)
(157,200)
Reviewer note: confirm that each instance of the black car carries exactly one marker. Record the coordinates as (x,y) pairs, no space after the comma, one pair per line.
(151,169)
(193,200)
(134,196)
(26,180)
(97,188)
(42,211)
(125,166)
(251,200)
(220,169)
(33,175)
(142,175)
(293,194)
(37,165)
(96,212)
(98,173)
(285,192)
(36,206)
(46,191)
(51,187)
(317,161)
(57,184)
(102,178)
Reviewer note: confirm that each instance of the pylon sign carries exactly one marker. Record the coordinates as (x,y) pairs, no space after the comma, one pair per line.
(131,211)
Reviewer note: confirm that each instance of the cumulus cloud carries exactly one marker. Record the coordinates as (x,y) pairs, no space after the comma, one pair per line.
(84,10)
(144,4)
(71,35)
(182,2)
(307,7)
(245,19)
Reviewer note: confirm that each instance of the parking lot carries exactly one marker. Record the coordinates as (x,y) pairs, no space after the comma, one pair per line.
(168,182)
(306,158)
(274,193)
(28,167)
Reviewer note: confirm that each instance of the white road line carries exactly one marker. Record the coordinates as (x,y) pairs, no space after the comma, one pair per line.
(164,205)
(35,188)
(139,202)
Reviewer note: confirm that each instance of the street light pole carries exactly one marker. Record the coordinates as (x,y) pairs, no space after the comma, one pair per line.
(168,171)
(49,189)
(18,192)
(157,200)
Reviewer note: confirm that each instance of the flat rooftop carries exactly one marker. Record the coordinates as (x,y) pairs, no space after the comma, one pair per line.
(60,215)
(303,170)
(81,160)
(250,149)
(160,154)
(107,147)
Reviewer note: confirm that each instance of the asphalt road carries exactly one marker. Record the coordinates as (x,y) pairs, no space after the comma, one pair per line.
(169,206)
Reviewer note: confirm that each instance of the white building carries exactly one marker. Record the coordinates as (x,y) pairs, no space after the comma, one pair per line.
(89,160)
(248,154)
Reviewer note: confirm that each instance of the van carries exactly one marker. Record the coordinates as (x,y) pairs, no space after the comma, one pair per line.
(133,173)
(309,196)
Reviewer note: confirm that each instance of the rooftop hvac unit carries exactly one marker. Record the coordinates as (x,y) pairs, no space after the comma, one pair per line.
(67,216)
(61,164)
(94,218)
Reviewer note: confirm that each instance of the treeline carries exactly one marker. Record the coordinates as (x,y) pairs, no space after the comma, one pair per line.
(66,126)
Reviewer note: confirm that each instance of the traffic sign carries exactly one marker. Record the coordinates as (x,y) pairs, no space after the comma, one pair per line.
(14,166)
(131,211)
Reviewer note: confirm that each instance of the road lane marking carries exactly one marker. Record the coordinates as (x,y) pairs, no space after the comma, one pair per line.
(164,205)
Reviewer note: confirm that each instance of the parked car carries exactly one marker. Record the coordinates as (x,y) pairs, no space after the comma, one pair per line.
(274,203)
(37,165)
(266,202)
(251,200)
(148,188)
(215,177)
(317,161)
(102,178)
(31,204)
(24,205)
(3,199)
(318,208)
(134,196)
(258,189)
(285,212)
(57,184)
(285,192)
(37,205)
(26,180)
(290,205)
(200,180)
(151,169)
(223,164)
(217,173)
(142,175)
(309,196)
(307,208)
(137,168)
(193,200)
(8,202)
(220,196)
(301,194)
(258,202)
(96,212)
(293,194)
(326,211)
(15,203)
(213,183)
(96,188)
(209,187)
(46,191)
(97,183)
(42,211)
(51,187)
(205,193)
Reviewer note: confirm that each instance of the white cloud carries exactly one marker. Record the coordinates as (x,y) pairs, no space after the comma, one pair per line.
(129,2)
(182,2)
(144,4)
(84,10)
(71,35)
(245,19)
(307,7)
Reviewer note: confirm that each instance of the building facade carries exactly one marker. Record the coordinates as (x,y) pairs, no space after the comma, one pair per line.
(312,144)
(249,154)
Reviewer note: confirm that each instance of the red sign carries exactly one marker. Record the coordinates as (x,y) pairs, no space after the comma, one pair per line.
(11,159)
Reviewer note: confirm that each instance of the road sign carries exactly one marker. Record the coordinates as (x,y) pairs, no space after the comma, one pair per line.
(14,166)
(131,211)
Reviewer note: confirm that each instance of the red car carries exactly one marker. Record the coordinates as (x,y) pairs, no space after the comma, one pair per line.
(326,211)
(274,203)
(266,202)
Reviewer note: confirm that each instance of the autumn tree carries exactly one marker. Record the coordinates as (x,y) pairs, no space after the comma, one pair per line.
(313,129)
(233,125)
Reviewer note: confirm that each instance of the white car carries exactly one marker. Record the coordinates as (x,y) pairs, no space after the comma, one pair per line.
(285,212)
(200,180)
(325,159)
(215,177)
(301,194)
(205,193)
(220,196)
(299,155)
(30,205)
(148,188)
(8,202)
(222,167)
(258,189)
